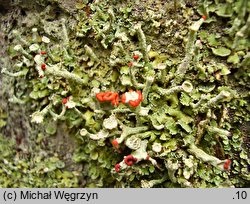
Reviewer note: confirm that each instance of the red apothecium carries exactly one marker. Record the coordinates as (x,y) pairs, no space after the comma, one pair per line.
(133,98)
(130,160)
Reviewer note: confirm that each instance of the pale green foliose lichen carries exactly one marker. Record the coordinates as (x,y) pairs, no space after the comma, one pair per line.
(190,62)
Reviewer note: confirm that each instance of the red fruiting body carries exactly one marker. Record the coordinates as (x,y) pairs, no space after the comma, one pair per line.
(227,164)
(64,100)
(130,64)
(115,101)
(123,98)
(136,102)
(136,57)
(147,158)
(133,103)
(117,167)
(99,96)
(41,76)
(108,96)
(115,143)
(130,160)
(204,17)
(43,66)
(43,53)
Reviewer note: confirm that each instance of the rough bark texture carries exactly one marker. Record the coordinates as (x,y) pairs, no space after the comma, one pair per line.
(188,59)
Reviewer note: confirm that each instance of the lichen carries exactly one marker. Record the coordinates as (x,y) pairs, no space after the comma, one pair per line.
(151,98)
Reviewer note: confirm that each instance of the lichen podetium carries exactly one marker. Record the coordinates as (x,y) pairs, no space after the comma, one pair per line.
(150,93)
